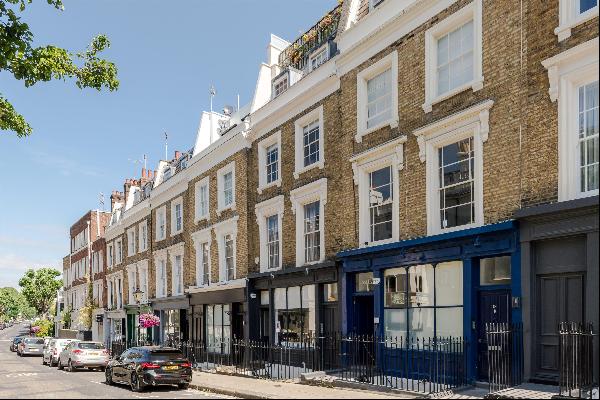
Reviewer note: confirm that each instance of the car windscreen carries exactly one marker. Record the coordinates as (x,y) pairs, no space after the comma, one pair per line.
(91,346)
(34,341)
(166,355)
(17,339)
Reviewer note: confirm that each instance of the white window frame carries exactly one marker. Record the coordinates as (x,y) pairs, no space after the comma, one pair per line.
(268,208)
(314,191)
(374,4)
(131,244)
(220,186)
(362,78)
(161,213)
(315,54)
(198,216)
(388,154)
(474,12)
(199,238)
(119,246)
(143,241)
(569,17)
(263,145)
(472,122)
(221,229)
(174,252)
(110,254)
(568,71)
(142,267)
(299,125)
(131,283)
(160,261)
(277,81)
(174,203)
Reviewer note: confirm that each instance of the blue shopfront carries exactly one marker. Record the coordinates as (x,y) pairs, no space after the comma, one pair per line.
(444,286)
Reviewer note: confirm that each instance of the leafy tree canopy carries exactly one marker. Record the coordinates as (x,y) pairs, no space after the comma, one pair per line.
(13,304)
(41,64)
(39,288)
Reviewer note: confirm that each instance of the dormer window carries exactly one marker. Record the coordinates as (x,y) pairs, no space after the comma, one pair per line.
(319,58)
(168,173)
(374,3)
(280,85)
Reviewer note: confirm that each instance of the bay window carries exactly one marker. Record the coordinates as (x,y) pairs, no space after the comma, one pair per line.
(273,241)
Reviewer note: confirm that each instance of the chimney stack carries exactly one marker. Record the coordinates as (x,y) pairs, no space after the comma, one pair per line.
(115,197)
(177,154)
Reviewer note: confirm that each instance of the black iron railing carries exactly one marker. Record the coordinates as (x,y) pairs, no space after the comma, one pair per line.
(504,355)
(576,368)
(426,365)
(297,54)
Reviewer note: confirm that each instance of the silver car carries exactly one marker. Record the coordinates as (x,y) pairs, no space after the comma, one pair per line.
(55,347)
(83,355)
(31,346)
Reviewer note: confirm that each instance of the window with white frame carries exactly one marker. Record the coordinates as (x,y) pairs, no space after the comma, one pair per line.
(573,76)
(573,13)
(143,236)
(309,141)
(269,215)
(453,55)
(110,293)
(226,233)
(269,161)
(177,265)
(202,240)
(110,253)
(131,242)
(131,282)
(202,199)
(161,275)
(119,287)
(143,280)
(453,151)
(381,198)
(308,204)
(226,186)
(280,85)
(176,216)
(161,223)
(377,96)
(319,57)
(119,251)
(374,3)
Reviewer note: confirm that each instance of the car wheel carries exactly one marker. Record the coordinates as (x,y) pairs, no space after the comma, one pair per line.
(183,386)
(43,361)
(108,376)
(135,383)
(59,364)
(70,367)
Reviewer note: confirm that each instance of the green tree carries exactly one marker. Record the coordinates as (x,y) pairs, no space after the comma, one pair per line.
(13,304)
(39,288)
(41,64)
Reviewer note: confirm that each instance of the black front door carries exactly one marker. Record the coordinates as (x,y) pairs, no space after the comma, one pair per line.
(363,315)
(493,306)
(328,319)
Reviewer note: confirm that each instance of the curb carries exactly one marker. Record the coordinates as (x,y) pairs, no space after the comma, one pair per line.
(228,392)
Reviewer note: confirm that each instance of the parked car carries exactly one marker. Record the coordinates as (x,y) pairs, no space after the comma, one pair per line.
(144,366)
(55,347)
(31,346)
(83,355)
(15,342)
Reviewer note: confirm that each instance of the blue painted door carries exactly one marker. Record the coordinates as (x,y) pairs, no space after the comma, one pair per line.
(493,306)
(363,315)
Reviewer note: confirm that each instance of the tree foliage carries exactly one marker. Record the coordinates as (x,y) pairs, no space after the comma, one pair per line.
(13,304)
(39,288)
(32,64)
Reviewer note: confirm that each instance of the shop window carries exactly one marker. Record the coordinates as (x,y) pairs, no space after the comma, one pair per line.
(424,301)
(364,282)
(495,271)
(218,328)
(264,298)
(330,292)
(295,314)
(172,327)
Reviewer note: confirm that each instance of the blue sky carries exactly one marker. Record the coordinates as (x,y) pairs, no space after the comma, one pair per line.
(84,142)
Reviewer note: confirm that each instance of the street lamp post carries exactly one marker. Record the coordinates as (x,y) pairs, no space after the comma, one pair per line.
(138,295)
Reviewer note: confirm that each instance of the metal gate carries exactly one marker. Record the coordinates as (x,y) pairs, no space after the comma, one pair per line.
(505,355)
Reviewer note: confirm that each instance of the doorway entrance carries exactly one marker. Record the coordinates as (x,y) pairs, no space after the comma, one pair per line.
(363,323)
(493,307)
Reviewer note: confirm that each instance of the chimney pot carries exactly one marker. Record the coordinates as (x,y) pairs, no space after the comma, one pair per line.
(177,154)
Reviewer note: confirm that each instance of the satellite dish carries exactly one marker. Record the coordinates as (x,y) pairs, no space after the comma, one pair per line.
(228,110)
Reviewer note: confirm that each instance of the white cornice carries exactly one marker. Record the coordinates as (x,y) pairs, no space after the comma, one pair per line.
(272,206)
(394,148)
(381,28)
(201,236)
(479,113)
(313,191)
(308,91)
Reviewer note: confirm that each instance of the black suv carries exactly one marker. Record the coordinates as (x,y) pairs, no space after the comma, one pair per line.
(150,366)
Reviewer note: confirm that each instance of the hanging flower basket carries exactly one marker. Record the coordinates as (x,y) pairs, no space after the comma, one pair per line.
(35,329)
(149,320)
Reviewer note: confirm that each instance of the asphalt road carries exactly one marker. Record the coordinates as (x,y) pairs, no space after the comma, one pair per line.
(26,377)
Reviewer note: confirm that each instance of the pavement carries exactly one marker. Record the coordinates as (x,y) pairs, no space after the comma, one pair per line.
(26,377)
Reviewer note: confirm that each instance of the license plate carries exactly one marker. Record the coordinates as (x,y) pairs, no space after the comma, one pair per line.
(94,353)
(170,367)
